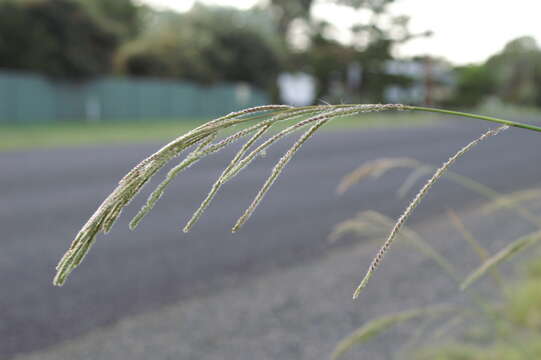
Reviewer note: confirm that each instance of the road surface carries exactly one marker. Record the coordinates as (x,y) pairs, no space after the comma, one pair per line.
(45,196)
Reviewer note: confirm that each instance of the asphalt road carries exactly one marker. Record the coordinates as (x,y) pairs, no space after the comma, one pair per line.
(45,196)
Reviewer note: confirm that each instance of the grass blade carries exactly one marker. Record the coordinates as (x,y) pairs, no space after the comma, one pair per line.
(376,327)
(503,255)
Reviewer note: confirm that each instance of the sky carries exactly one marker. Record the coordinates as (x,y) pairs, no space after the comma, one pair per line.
(464,31)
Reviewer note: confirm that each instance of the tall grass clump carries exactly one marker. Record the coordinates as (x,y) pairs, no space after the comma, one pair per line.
(214,136)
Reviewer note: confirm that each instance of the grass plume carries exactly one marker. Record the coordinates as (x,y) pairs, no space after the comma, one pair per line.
(202,143)
(201,139)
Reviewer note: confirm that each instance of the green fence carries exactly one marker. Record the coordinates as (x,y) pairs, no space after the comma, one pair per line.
(30,98)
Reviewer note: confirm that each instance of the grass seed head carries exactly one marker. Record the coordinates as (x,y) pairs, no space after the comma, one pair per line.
(415,202)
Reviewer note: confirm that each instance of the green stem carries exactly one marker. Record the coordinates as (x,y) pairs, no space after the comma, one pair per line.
(473,116)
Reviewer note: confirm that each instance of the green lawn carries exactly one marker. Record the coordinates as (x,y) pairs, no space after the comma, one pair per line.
(156,130)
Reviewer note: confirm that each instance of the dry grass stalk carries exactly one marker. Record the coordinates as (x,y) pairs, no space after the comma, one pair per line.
(418,198)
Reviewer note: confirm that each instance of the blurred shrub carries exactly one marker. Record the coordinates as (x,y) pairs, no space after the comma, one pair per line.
(121,17)
(206,45)
(54,37)
(513,76)
(473,84)
(517,72)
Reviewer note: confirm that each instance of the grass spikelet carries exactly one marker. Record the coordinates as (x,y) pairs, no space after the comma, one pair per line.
(321,116)
(234,168)
(192,158)
(201,151)
(378,326)
(221,180)
(501,256)
(276,172)
(130,185)
(418,198)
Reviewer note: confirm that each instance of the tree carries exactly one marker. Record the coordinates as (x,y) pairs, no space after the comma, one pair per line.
(122,17)
(331,60)
(206,45)
(55,37)
(513,75)
(287,11)
(517,72)
(474,83)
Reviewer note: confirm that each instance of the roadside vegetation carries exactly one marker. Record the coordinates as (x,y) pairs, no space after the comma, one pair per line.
(498,318)
(520,336)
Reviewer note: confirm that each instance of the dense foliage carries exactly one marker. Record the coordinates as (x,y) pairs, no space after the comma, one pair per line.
(58,38)
(206,45)
(84,38)
(78,39)
(513,75)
